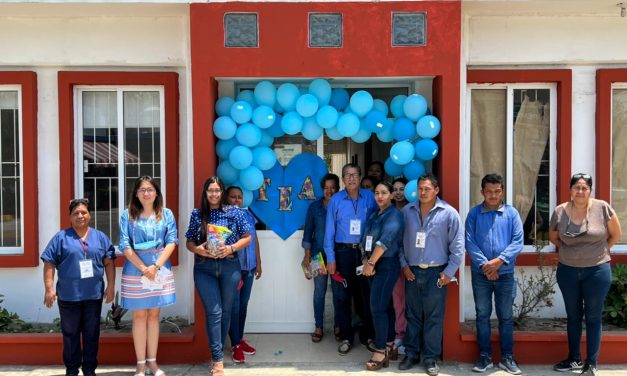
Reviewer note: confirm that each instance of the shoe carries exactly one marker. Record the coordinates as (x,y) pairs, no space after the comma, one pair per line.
(431,367)
(158,372)
(589,370)
(393,351)
(248,349)
(375,365)
(370,345)
(217,369)
(568,365)
(344,347)
(508,364)
(408,362)
(317,335)
(484,363)
(140,364)
(237,354)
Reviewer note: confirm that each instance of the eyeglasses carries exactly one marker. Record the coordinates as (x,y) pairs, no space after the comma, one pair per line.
(214,191)
(570,234)
(146,190)
(351,176)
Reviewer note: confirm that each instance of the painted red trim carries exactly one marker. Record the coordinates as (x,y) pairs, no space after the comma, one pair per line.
(67,80)
(30,217)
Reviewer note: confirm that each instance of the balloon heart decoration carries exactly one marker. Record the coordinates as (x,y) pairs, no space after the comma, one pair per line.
(283,199)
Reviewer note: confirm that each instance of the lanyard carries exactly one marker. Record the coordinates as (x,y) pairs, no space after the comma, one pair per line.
(355,204)
(84,245)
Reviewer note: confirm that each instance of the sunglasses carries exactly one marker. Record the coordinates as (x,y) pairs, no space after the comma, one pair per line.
(79,201)
(570,234)
(582,176)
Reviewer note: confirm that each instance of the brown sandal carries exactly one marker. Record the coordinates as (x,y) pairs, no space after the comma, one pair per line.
(375,365)
(317,335)
(336,332)
(393,351)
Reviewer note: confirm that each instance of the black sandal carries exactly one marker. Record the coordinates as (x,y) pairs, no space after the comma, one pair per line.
(375,365)
(317,335)
(392,351)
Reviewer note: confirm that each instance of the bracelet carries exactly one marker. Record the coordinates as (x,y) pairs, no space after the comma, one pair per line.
(157,266)
(371,263)
(233,250)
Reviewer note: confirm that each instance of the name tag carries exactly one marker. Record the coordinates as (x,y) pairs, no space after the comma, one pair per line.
(368,243)
(421,239)
(355,227)
(87,269)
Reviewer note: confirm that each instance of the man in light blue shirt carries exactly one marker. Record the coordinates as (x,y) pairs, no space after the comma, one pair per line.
(494,238)
(433,247)
(346,219)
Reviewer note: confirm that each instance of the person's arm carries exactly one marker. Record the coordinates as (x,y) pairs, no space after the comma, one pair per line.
(128,251)
(554,235)
(614,231)
(329,237)
(50,295)
(476,255)
(109,292)
(372,261)
(516,244)
(455,247)
(259,270)
(170,238)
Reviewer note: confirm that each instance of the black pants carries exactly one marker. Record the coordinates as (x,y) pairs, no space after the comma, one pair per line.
(81,318)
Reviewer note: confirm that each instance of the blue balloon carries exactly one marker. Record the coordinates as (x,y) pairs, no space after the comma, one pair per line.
(321,89)
(241,157)
(415,107)
(396,106)
(251,178)
(327,116)
(413,170)
(348,125)
(265,94)
(402,152)
(333,134)
(227,172)
(307,105)
(224,147)
(263,116)
(411,190)
(392,169)
(428,126)
(266,139)
(311,130)
(381,106)
(292,123)
(387,134)
(248,135)
(287,95)
(275,130)
(224,127)
(339,98)
(426,149)
(361,103)
(404,129)
(263,158)
(223,106)
(247,96)
(362,135)
(241,112)
(375,121)
(247,198)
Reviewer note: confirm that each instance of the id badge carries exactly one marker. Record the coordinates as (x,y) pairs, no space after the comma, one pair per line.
(421,239)
(87,269)
(355,227)
(368,243)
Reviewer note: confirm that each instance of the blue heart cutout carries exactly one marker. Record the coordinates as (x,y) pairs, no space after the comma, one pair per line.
(303,174)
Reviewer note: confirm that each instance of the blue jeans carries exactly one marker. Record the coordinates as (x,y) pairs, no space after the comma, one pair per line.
(346,260)
(584,291)
(381,286)
(320,291)
(424,308)
(80,319)
(240,307)
(216,282)
(504,291)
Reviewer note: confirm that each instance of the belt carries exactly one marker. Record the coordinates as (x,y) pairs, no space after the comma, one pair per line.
(427,266)
(348,245)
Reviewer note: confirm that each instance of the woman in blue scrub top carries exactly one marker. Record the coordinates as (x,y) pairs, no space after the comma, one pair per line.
(82,256)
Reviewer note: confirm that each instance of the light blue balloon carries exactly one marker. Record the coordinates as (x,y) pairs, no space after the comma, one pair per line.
(362,135)
(411,190)
(247,96)
(224,147)
(223,106)
(263,158)
(248,135)
(375,121)
(380,106)
(361,103)
(292,123)
(321,89)
(396,106)
(327,116)
(311,130)
(247,197)
(392,169)
(339,98)
(404,129)
(413,170)
(265,94)
(333,134)
(241,112)
(224,127)
(387,135)
(287,95)
(251,178)
(227,172)
(307,105)
(426,149)
(402,152)
(263,116)
(275,130)
(348,125)
(428,126)
(241,157)
(266,139)
(415,107)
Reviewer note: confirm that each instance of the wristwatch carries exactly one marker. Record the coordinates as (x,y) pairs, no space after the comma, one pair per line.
(157,266)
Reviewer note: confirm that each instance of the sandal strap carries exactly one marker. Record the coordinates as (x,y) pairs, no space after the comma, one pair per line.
(151,360)
(140,362)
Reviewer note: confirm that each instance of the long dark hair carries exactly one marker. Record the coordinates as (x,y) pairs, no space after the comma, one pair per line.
(205,209)
(135,206)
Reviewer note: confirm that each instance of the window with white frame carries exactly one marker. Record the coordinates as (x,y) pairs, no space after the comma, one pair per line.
(512,133)
(119,137)
(619,156)
(11,226)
